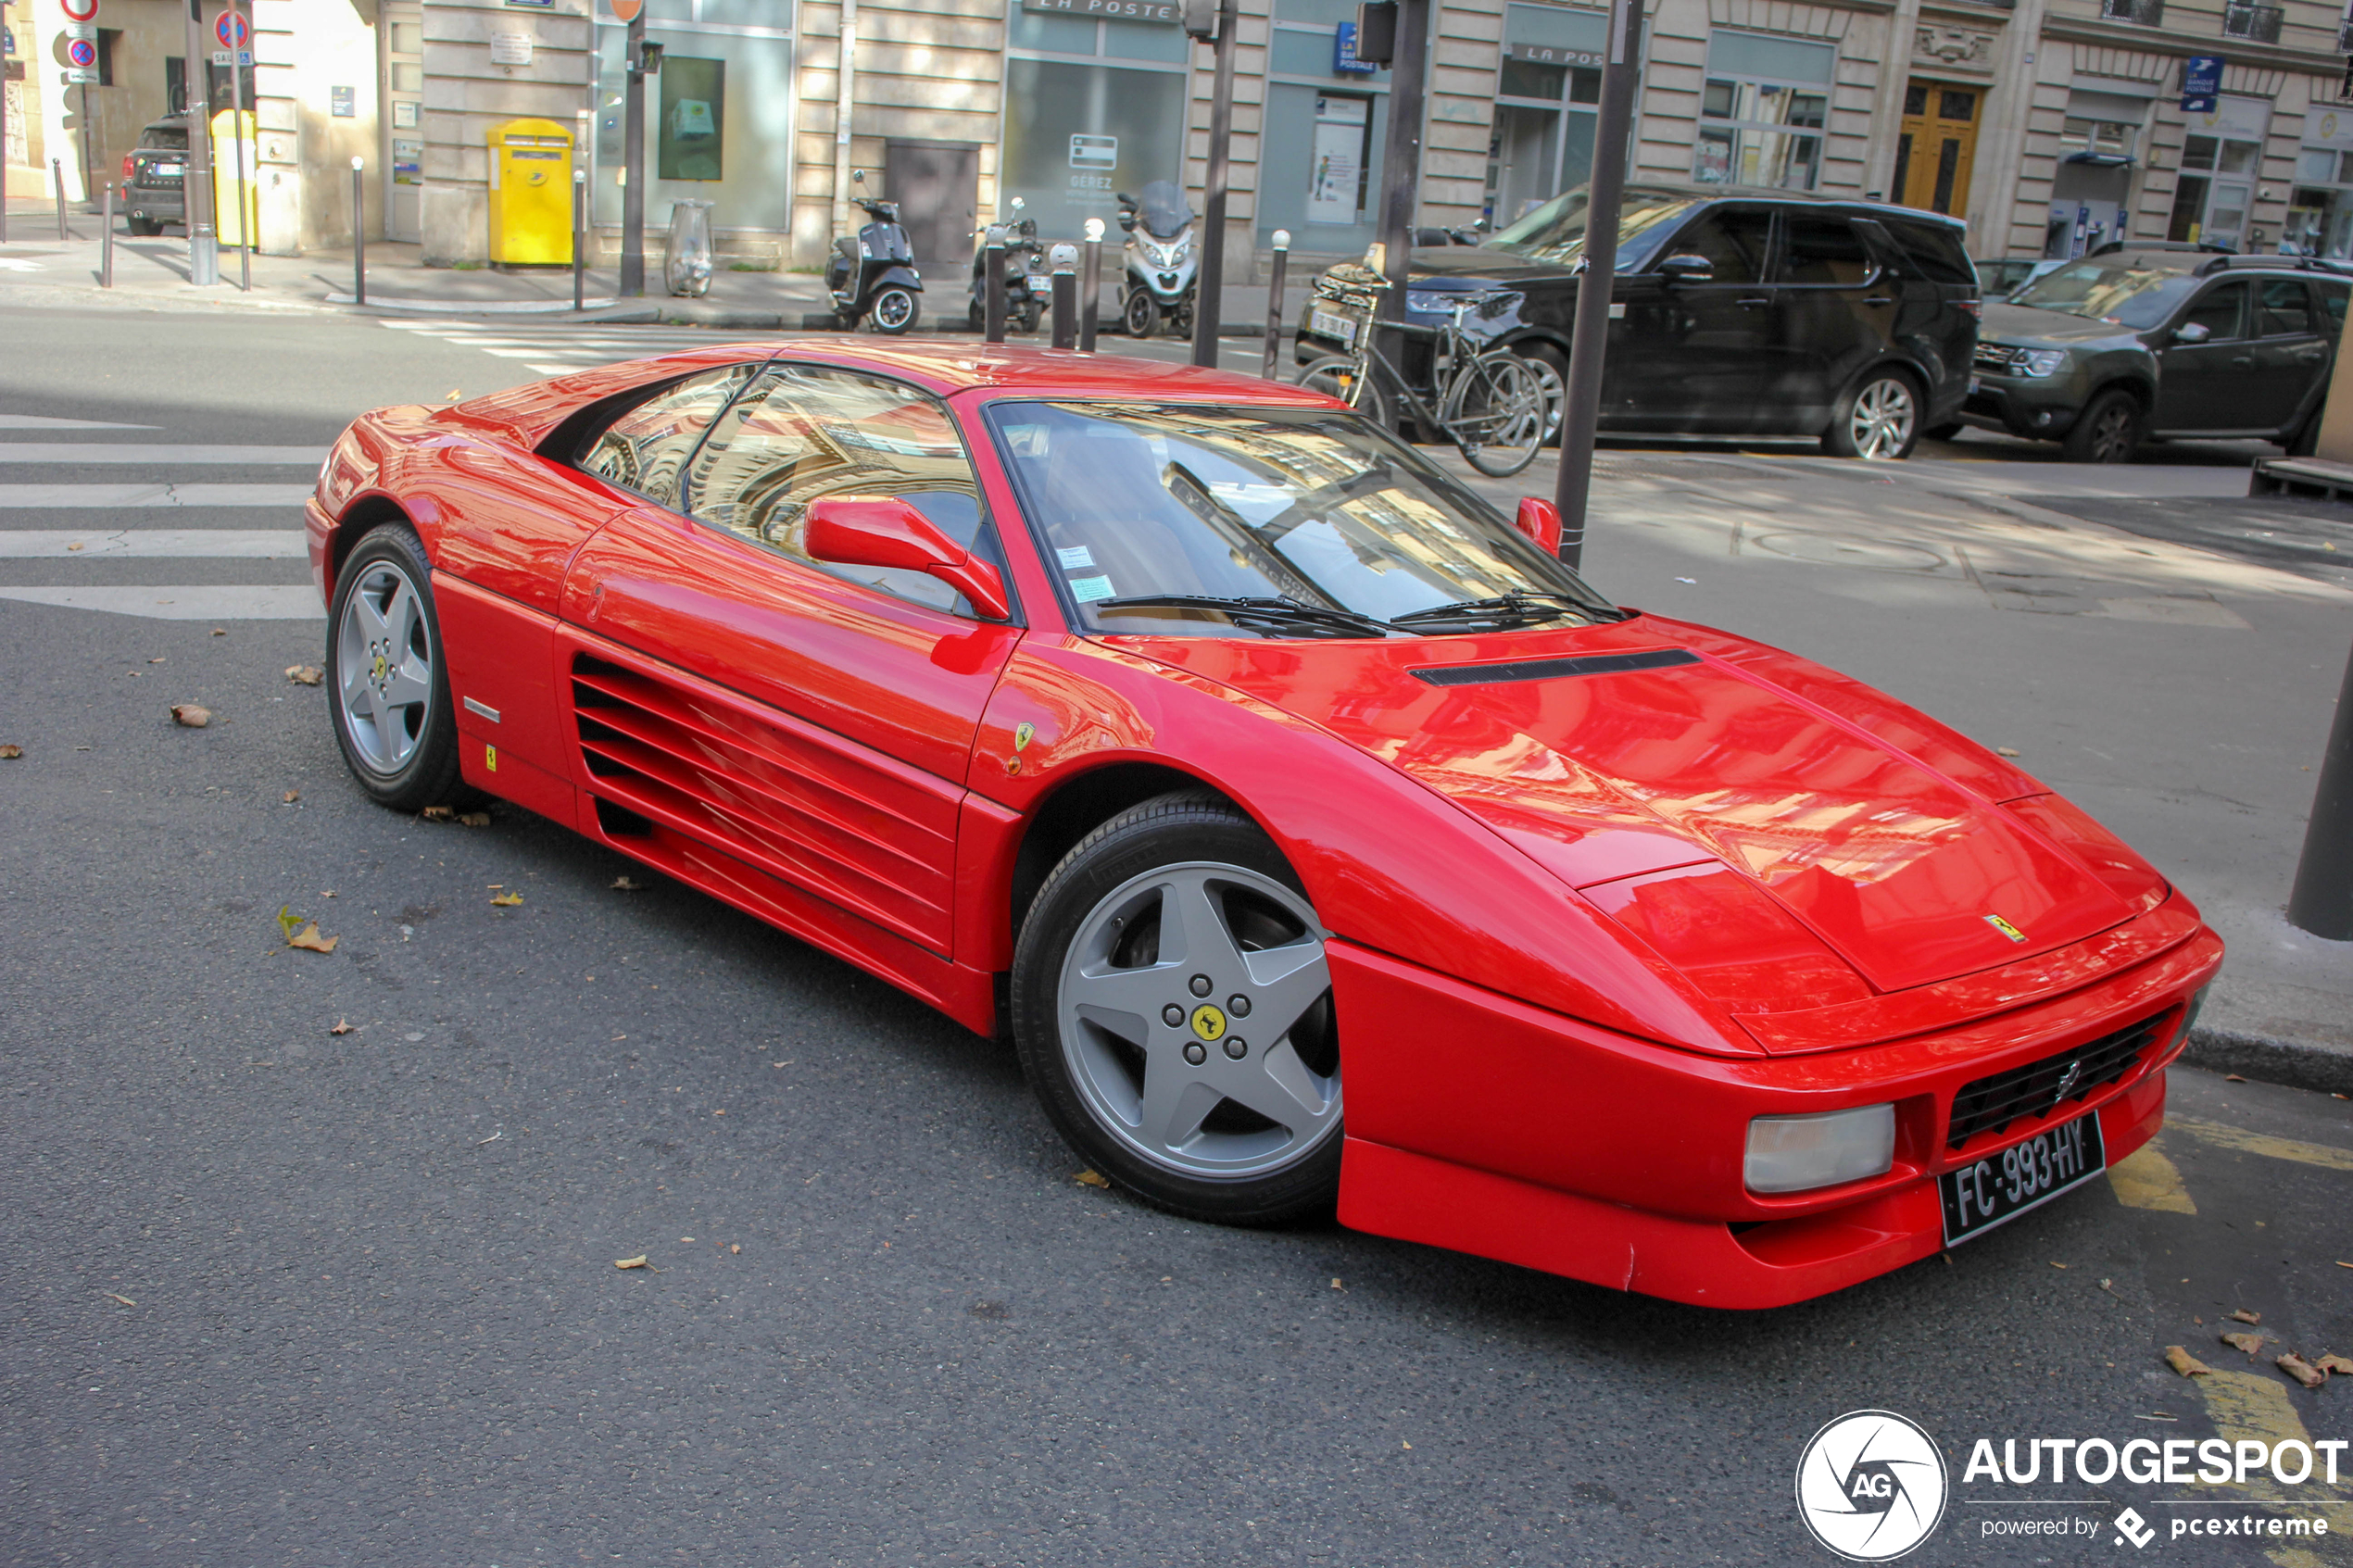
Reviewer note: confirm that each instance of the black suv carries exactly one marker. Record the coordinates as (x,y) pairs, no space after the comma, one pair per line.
(1734,313)
(2133,346)
(155,175)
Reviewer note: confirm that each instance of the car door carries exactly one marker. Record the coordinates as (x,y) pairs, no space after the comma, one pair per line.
(809,721)
(2200,384)
(1832,314)
(1696,352)
(2290,349)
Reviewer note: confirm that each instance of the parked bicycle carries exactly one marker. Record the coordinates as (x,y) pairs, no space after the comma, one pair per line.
(1490,404)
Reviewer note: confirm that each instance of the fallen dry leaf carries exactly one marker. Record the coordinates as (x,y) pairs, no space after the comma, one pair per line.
(75,545)
(636,1262)
(436,813)
(2180,1360)
(309,939)
(154,661)
(2341,1365)
(12,752)
(293,796)
(1092,1179)
(2233,1078)
(2304,1372)
(2250,1343)
(623,884)
(220,631)
(305,674)
(733,1248)
(288,922)
(124,1299)
(475,819)
(188,713)
(2240,1314)
(2006,750)
(342,1026)
(1337,1285)
(505,900)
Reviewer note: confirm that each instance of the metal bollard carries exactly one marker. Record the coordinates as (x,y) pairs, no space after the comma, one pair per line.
(579,239)
(992,285)
(358,236)
(57,182)
(1090,286)
(106,236)
(1064,261)
(1274,303)
(2321,902)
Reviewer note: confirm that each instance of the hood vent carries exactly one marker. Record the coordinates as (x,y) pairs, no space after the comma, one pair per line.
(1554,669)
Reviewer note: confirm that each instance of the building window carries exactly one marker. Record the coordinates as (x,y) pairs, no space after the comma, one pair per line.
(716,123)
(1551,86)
(1763,112)
(2320,213)
(1320,155)
(1079,128)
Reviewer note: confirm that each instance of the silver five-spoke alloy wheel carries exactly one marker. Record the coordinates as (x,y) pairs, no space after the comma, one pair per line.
(384,668)
(1177,1006)
(1881,422)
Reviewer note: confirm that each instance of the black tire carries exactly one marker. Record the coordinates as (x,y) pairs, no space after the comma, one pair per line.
(977,315)
(1877,417)
(1551,369)
(427,774)
(1140,315)
(895,311)
(145,227)
(2108,430)
(1031,311)
(1183,830)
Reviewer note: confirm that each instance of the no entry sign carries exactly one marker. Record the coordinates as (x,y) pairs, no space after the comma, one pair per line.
(231,30)
(80,10)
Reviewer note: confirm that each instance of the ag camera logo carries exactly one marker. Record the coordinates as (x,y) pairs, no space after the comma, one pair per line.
(1871,1485)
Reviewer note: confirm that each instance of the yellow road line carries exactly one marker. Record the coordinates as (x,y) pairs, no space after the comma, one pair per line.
(2246,1404)
(2319,1154)
(2147,1180)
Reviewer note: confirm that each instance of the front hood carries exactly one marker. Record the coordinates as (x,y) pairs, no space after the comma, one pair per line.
(2025,324)
(1470,266)
(1858,821)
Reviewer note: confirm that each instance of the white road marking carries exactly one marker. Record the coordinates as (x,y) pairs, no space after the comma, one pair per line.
(151,494)
(185,544)
(114,452)
(208,602)
(42,421)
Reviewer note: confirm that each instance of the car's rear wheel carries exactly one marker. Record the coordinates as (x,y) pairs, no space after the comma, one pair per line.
(144,226)
(1174,1015)
(387,685)
(1551,378)
(1877,420)
(2107,432)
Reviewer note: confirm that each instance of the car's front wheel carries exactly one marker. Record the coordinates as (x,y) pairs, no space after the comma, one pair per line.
(386,681)
(2108,430)
(1877,420)
(1174,1013)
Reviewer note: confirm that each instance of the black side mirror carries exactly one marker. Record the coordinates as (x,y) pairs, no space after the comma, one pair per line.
(1687,269)
(1127,222)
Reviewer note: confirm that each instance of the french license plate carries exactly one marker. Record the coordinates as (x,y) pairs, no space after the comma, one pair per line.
(174,169)
(1323,323)
(2004,1184)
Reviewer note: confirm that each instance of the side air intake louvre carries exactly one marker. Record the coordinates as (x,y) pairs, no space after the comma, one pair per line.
(1554,669)
(801,805)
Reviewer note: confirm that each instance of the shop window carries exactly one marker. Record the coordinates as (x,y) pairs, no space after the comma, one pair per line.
(694,118)
(1763,111)
(715,129)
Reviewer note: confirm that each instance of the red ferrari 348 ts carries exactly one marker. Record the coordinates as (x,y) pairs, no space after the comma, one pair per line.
(1223,749)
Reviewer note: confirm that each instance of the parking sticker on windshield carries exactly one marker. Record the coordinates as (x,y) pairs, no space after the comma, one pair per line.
(1089,589)
(1077,556)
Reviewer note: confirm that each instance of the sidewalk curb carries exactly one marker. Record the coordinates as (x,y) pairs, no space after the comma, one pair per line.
(2271,1060)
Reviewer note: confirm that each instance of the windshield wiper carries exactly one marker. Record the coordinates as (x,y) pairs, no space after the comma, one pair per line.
(1258,611)
(1517,608)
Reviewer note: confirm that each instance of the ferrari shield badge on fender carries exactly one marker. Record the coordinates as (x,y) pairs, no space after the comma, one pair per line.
(2006,928)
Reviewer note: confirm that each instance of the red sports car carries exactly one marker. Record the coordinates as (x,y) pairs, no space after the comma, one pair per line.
(1220,748)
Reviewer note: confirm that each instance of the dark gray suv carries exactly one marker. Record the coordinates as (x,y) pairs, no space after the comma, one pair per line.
(2128,346)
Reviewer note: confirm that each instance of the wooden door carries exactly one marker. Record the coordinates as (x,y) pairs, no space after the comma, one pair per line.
(1937,144)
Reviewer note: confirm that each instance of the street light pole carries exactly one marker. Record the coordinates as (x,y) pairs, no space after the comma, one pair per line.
(1581,397)
(633,162)
(196,183)
(1209,296)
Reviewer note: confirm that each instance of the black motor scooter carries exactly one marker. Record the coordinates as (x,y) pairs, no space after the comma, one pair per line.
(1027,284)
(873,277)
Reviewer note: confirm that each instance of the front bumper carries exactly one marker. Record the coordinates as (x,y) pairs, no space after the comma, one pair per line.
(2043,407)
(1480,1123)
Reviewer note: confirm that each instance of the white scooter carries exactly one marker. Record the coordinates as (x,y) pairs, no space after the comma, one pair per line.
(1164,265)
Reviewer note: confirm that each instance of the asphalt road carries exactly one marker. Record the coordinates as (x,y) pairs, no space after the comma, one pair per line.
(280,1295)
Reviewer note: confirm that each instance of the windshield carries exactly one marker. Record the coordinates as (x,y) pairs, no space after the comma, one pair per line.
(1555,232)
(1304,521)
(2128,296)
(1164,210)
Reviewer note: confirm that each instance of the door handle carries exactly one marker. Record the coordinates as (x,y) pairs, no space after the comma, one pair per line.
(2242,360)
(1880,299)
(2311,356)
(1754,301)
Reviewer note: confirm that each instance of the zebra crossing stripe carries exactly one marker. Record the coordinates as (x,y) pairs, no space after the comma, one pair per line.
(149,494)
(172,544)
(192,603)
(72,452)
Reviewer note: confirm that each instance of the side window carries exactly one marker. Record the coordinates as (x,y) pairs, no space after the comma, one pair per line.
(2332,295)
(1733,241)
(646,448)
(2283,308)
(1941,258)
(806,430)
(1822,250)
(2218,311)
